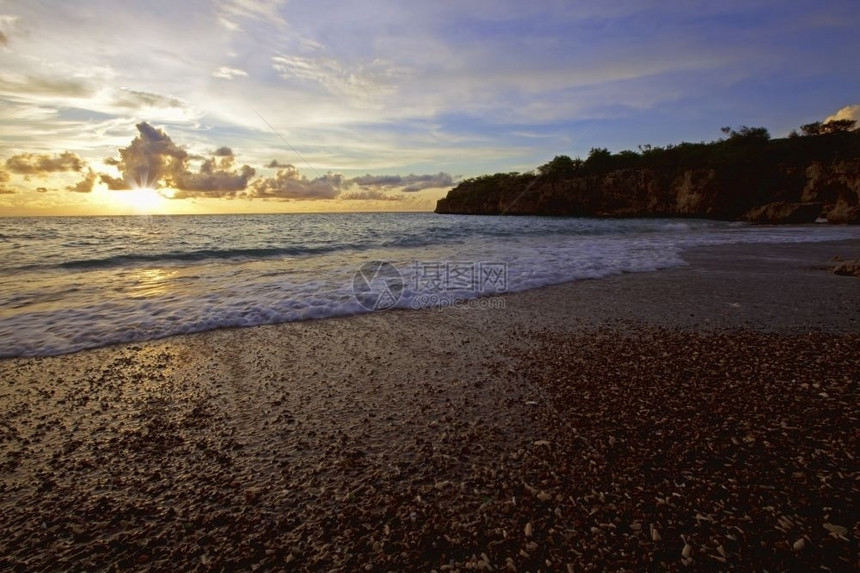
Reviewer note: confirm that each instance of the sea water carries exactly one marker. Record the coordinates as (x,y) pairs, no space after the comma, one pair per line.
(70,283)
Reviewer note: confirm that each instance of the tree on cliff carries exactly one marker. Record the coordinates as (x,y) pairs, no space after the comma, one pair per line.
(832,126)
(599,159)
(752,170)
(560,167)
(744,133)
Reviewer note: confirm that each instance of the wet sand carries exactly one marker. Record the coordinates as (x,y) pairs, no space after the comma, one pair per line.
(701,417)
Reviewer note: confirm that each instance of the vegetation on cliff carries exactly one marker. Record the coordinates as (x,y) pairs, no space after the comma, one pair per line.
(731,178)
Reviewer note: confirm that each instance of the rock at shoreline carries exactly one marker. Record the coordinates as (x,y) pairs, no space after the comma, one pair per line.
(837,186)
(848,268)
(844,213)
(780,212)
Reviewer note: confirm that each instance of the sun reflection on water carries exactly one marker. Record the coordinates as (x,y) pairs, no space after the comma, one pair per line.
(152,282)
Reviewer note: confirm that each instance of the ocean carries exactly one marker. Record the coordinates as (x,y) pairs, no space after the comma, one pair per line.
(71,283)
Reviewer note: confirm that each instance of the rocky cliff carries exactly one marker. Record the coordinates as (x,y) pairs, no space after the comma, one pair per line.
(766,186)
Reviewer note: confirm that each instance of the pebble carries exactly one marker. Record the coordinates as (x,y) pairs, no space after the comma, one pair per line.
(836,530)
(189,474)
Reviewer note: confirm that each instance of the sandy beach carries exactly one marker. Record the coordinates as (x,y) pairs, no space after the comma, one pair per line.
(703,417)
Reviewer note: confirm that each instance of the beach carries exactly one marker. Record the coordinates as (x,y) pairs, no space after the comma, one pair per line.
(699,417)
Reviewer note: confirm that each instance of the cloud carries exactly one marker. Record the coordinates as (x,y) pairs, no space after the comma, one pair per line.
(847,112)
(7,23)
(125,102)
(18,85)
(288,184)
(419,182)
(4,178)
(214,179)
(355,81)
(41,164)
(232,10)
(228,73)
(149,158)
(85,185)
(114,183)
(41,189)
(409,183)
(154,160)
(433,182)
(133,99)
(378,180)
(60,91)
(371,195)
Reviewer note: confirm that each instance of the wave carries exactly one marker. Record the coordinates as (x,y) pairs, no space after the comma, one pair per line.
(53,313)
(200,255)
(267,299)
(403,235)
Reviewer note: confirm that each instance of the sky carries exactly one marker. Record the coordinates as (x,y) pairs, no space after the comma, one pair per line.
(111,107)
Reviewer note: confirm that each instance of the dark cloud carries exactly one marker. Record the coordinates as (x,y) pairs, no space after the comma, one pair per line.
(289,184)
(85,185)
(40,164)
(419,182)
(214,179)
(371,195)
(154,160)
(41,189)
(113,183)
(4,41)
(378,180)
(149,159)
(409,183)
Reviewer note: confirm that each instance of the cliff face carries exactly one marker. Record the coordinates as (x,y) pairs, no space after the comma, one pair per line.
(837,187)
(780,194)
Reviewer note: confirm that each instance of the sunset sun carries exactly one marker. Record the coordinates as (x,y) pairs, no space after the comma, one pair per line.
(143,200)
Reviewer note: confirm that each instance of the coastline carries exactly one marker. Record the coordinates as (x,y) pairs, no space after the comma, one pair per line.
(367,440)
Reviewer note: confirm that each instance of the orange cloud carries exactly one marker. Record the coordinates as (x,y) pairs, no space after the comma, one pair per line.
(40,164)
(847,112)
(4,178)
(85,185)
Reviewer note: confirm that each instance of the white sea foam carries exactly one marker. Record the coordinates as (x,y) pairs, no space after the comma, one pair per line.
(71,284)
